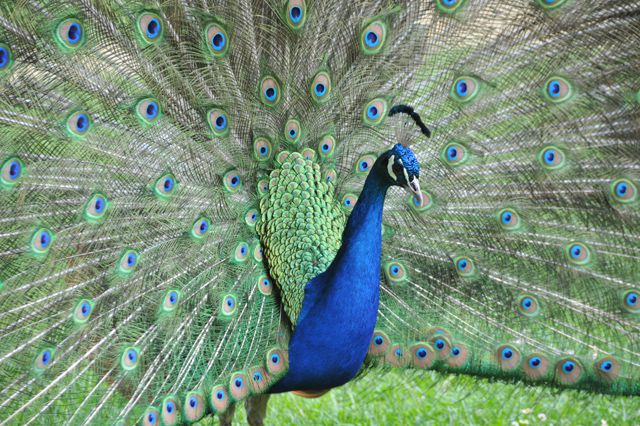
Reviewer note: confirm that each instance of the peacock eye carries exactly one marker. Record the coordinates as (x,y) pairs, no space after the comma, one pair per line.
(130,358)
(373,37)
(70,34)
(78,124)
(296,14)
(232,182)
(465,89)
(217,40)
(82,311)
(128,261)
(150,27)
(578,253)
(200,228)
(43,359)
(326,146)
(148,110)
(558,89)
(449,6)
(41,240)
(550,4)
(11,171)
(374,112)
(165,186)
(270,91)
(6,58)
(96,208)
(262,149)
(321,87)
(624,191)
(551,158)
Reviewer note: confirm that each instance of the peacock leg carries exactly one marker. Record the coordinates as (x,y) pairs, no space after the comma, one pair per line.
(256,407)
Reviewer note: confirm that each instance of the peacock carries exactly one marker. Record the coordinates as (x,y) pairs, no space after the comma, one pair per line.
(204,202)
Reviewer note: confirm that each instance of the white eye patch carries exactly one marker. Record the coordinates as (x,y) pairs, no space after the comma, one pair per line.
(390,168)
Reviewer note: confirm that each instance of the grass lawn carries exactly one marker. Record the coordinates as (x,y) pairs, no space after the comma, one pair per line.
(429,398)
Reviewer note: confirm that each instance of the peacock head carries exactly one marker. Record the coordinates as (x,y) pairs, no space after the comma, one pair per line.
(403,169)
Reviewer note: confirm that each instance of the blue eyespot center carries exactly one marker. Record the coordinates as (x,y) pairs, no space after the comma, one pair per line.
(462,264)
(131,354)
(373,112)
(398,352)
(152,110)
(153,28)
(85,308)
(131,259)
(535,362)
(371,39)
(193,402)
(462,89)
(270,93)
(74,33)
(173,297)
(621,189)
(152,418)
(378,340)
(14,170)
(440,344)
(364,165)
(576,251)
(235,180)
(82,123)
(218,41)
(506,217)
(631,299)
(292,133)
(295,14)
(554,88)
(99,205)
(46,357)
(170,407)
(421,353)
(449,2)
(4,57)
(238,382)
(45,239)
(257,377)
(455,351)
(527,302)
(167,184)
(275,358)
(203,226)
(220,395)
(320,89)
(221,122)
(606,366)
(568,367)
(394,270)
(549,156)
(507,353)
(452,153)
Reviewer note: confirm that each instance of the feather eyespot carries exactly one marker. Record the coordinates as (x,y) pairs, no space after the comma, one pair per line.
(200,228)
(263,187)
(364,164)
(95,209)
(536,366)
(508,357)
(11,172)
(464,266)
(551,158)
(41,241)
(509,219)
(232,182)
(148,110)
(326,147)
(238,386)
(349,201)
(321,87)
(458,355)
(229,305)
(569,371)
(527,305)
(241,252)
(395,272)
(251,217)
(169,414)
(165,186)
(373,37)
(43,360)
(270,91)
(624,191)
(464,89)
(296,14)
(193,406)
(217,40)
(78,124)
(292,131)
(218,122)
(257,251)
(379,343)
(374,112)
(70,34)
(631,301)
(6,58)
(449,6)
(607,368)
(557,89)
(262,149)
(276,361)
(578,253)
(219,399)
(550,4)
(151,417)
(82,311)
(454,154)
(130,358)
(170,301)
(330,175)
(128,261)
(420,206)
(150,27)
(264,285)
(422,356)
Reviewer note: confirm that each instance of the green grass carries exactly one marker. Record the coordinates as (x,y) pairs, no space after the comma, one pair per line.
(429,398)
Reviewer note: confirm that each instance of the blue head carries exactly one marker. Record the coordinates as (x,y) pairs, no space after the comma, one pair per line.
(402,169)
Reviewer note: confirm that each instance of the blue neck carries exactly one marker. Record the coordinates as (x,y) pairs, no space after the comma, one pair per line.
(340,306)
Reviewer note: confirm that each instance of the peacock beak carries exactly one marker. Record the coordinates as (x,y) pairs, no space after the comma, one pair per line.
(414,188)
